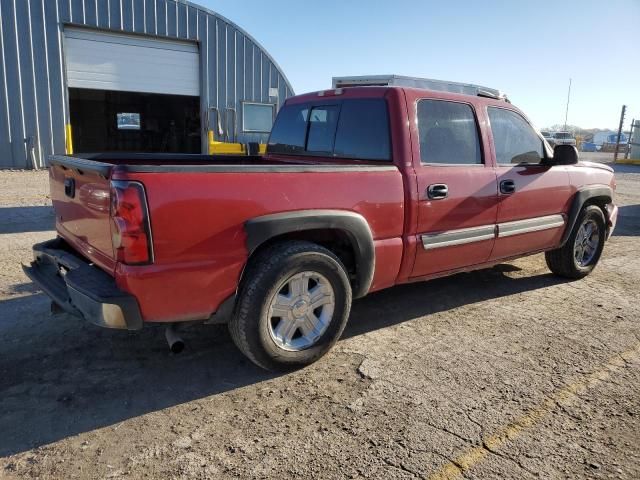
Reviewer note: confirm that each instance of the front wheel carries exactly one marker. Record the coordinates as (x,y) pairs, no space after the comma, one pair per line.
(293,306)
(581,253)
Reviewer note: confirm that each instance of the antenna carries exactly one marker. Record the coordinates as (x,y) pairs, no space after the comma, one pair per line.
(566,113)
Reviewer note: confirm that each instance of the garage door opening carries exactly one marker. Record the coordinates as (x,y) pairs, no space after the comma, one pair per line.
(132,93)
(113,121)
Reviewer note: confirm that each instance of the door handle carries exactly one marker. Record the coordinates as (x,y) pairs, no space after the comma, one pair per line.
(507,187)
(70,187)
(437,191)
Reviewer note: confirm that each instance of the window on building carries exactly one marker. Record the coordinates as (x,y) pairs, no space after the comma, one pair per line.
(448,133)
(515,141)
(257,117)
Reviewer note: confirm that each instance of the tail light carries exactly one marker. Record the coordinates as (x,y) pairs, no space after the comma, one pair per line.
(130,228)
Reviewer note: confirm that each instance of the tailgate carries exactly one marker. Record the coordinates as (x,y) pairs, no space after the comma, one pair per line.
(81,200)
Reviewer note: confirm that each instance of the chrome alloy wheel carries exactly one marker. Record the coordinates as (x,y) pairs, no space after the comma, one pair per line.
(301,311)
(586,243)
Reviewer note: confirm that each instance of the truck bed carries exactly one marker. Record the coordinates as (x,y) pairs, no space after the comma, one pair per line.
(198,206)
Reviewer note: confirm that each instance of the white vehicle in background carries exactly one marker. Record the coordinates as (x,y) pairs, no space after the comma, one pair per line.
(548,136)
(563,138)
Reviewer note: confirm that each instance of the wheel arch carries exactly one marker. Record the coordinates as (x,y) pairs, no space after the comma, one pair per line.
(324,227)
(599,195)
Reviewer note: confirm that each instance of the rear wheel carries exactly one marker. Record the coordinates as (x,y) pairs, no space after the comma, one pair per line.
(292,307)
(582,251)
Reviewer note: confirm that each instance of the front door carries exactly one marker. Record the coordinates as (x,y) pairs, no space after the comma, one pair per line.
(533,197)
(457,191)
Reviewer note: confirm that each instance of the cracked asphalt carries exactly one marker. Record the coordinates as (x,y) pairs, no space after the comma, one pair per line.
(502,373)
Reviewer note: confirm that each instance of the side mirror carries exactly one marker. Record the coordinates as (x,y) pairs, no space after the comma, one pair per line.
(564,155)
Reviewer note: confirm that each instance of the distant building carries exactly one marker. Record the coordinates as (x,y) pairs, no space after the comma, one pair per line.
(600,138)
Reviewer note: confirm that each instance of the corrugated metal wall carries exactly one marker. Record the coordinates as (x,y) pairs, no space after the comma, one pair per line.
(33,103)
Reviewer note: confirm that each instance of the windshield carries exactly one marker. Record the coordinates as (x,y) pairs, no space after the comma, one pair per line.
(563,135)
(352,128)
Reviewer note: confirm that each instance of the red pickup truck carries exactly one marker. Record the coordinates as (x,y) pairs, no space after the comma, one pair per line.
(360,189)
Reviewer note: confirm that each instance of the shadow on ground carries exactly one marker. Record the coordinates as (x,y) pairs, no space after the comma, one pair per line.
(60,377)
(622,168)
(628,221)
(26,219)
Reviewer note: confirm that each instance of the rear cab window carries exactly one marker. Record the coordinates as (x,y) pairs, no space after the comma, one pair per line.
(350,128)
(323,122)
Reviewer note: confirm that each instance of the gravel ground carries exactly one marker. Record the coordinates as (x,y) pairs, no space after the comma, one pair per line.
(503,373)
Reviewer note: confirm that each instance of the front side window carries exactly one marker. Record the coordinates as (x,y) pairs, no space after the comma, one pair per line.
(351,128)
(516,142)
(448,133)
(257,117)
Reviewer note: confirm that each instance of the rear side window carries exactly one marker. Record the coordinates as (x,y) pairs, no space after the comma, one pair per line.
(357,129)
(448,133)
(516,142)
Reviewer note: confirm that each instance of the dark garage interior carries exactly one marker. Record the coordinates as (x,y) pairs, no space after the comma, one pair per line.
(111,121)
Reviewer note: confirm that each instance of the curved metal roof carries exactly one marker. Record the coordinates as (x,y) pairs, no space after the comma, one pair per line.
(241,30)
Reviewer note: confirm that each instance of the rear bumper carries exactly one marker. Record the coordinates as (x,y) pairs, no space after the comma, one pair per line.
(81,289)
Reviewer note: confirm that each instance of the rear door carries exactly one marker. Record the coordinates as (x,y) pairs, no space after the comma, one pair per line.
(533,197)
(457,189)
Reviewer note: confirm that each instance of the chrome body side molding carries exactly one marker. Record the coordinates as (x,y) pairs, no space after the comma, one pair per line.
(458,237)
(529,225)
(450,238)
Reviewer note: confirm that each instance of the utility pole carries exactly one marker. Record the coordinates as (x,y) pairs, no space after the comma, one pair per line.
(566,113)
(628,151)
(615,155)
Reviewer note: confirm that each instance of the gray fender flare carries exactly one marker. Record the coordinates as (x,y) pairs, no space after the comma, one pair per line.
(602,193)
(261,229)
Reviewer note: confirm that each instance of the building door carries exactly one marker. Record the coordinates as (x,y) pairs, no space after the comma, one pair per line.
(132,93)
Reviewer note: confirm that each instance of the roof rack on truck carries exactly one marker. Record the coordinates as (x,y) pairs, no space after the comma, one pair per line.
(414,82)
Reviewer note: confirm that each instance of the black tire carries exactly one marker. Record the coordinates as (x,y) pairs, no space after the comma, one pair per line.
(249,326)
(562,261)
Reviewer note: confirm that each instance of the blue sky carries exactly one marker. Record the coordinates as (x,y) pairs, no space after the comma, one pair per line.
(528,49)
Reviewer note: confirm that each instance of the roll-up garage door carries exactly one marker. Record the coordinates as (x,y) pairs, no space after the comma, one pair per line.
(129,63)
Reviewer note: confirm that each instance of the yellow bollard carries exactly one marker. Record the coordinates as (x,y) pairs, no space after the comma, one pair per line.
(69,140)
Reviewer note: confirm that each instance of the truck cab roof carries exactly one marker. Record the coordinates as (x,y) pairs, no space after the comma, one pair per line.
(373,91)
(420,83)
